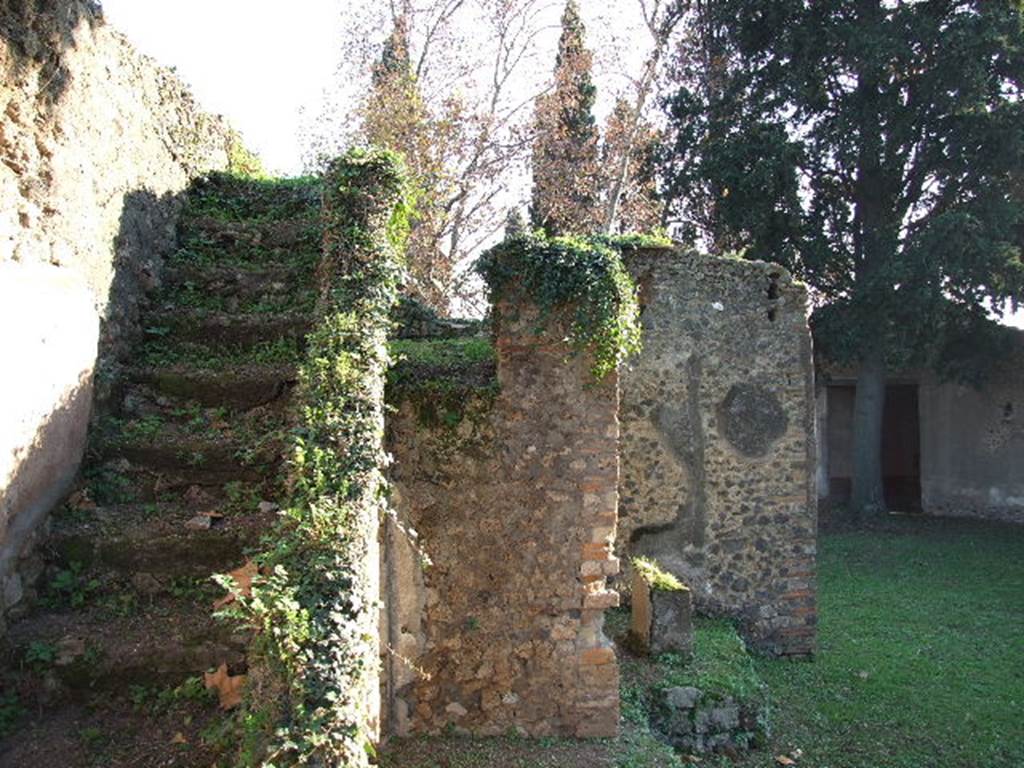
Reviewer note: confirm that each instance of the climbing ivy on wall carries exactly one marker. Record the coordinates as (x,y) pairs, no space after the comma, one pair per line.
(312,605)
(584,276)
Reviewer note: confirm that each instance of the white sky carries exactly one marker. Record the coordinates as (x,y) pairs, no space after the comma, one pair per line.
(259,62)
(256,62)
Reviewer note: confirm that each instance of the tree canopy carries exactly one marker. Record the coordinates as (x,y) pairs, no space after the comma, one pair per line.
(871,146)
(395,116)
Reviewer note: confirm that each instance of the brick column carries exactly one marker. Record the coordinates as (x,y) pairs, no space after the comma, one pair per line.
(516,508)
(554,388)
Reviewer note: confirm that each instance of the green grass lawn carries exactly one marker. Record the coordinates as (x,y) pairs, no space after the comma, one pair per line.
(921,652)
(920,665)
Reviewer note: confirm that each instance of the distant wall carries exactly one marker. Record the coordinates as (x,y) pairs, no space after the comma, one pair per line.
(717,449)
(972,457)
(971,439)
(495,608)
(95,143)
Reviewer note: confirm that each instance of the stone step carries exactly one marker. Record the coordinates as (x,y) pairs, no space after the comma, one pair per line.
(163,350)
(237,280)
(118,481)
(231,197)
(150,641)
(214,328)
(241,386)
(205,461)
(147,410)
(117,732)
(269,233)
(162,541)
(211,243)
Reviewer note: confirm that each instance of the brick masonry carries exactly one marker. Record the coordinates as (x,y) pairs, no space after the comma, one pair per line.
(515,508)
(718,446)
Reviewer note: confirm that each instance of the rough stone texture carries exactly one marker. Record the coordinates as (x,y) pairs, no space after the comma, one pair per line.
(693,722)
(515,508)
(95,143)
(661,620)
(717,444)
(971,440)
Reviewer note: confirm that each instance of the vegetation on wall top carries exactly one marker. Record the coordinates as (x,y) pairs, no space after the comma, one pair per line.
(584,276)
(452,361)
(658,578)
(444,379)
(243,161)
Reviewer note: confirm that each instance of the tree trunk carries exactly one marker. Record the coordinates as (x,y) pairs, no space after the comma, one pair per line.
(868,495)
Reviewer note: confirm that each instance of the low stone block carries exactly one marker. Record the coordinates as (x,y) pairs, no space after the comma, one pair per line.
(725,718)
(698,724)
(672,625)
(662,614)
(682,697)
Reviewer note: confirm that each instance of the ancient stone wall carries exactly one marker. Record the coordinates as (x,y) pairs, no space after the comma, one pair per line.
(495,604)
(717,445)
(95,143)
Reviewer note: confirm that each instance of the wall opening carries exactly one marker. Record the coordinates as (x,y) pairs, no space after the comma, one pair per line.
(901,446)
(773,295)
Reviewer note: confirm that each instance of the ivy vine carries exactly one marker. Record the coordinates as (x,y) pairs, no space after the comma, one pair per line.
(311,606)
(583,276)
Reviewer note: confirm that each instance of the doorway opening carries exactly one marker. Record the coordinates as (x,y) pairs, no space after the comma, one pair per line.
(901,446)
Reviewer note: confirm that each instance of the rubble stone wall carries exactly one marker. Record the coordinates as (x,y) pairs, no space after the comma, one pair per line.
(718,445)
(494,617)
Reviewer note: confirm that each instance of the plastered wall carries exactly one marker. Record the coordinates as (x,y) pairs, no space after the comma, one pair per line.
(96,142)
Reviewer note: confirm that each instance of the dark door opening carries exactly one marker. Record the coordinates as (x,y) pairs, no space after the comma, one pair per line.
(901,446)
(901,449)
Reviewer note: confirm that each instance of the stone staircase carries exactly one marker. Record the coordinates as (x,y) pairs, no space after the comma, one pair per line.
(106,667)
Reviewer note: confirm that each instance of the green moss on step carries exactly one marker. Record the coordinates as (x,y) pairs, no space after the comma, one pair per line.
(454,353)
(202,248)
(165,352)
(192,296)
(237,197)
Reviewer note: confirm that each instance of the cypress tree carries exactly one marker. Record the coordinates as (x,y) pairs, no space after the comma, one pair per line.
(396,117)
(565,146)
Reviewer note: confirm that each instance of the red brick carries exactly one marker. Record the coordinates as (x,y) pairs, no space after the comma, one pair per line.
(597,656)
